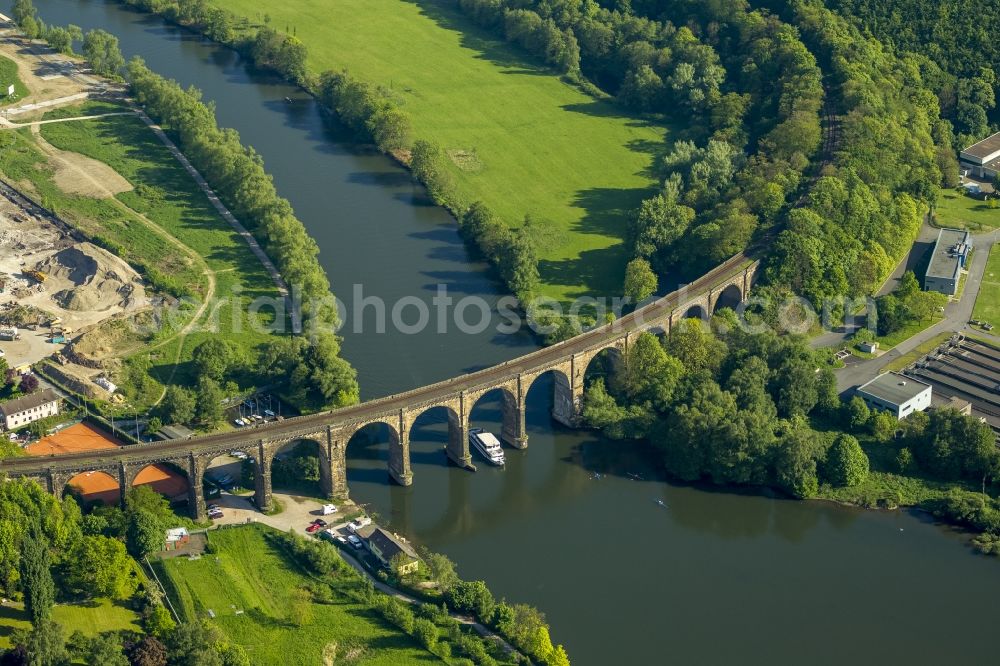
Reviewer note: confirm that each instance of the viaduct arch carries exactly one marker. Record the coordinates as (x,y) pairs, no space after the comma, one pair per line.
(332,430)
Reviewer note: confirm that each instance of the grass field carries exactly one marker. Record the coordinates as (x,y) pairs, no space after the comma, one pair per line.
(988,302)
(526,141)
(887,342)
(91,618)
(249,573)
(962,212)
(8,75)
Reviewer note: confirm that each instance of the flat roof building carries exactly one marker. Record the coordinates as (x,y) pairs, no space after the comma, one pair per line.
(947,261)
(982,159)
(897,394)
(22,411)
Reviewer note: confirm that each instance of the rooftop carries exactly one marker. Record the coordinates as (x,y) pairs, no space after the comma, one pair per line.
(894,388)
(28,402)
(176,533)
(390,545)
(986,148)
(945,260)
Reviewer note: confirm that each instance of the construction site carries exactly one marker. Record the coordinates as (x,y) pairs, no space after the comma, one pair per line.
(53,285)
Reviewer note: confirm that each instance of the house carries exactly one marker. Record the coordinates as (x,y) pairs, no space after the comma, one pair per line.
(982,159)
(22,411)
(951,250)
(176,538)
(174,432)
(390,549)
(869,347)
(897,394)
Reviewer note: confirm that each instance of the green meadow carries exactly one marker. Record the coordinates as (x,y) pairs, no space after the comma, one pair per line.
(519,138)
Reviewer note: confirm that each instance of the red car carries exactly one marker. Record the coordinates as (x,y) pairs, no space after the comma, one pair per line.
(314,527)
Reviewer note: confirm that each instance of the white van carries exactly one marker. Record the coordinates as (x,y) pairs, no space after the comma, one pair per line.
(328,509)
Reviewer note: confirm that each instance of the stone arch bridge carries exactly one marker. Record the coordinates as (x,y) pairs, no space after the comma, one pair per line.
(725,285)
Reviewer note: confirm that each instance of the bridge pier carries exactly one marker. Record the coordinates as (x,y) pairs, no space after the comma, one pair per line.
(196,494)
(262,480)
(333,467)
(57,483)
(514,433)
(567,400)
(458,439)
(399,454)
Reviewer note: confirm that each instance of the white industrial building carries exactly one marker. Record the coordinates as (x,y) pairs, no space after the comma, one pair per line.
(897,394)
(982,160)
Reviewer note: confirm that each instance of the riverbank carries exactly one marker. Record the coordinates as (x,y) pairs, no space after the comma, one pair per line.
(523,158)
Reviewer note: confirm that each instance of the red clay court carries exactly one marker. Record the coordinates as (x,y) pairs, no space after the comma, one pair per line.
(98,486)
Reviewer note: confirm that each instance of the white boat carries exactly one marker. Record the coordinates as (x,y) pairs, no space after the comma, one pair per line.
(487,444)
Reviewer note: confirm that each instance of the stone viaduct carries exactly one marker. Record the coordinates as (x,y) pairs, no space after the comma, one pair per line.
(727,284)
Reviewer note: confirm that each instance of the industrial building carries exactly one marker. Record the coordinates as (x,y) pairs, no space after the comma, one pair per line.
(982,160)
(951,250)
(896,394)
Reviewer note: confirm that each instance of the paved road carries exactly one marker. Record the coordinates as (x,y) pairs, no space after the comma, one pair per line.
(956,318)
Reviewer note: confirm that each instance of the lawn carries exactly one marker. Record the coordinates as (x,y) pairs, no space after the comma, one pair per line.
(520,139)
(887,342)
(8,75)
(172,204)
(954,209)
(988,302)
(91,618)
(250,573)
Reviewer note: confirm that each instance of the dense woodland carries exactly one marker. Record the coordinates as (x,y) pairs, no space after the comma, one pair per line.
(956,42)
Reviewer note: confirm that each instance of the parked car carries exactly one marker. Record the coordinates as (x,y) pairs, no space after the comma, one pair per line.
(215,515)
(328,509)
(354,541)
(320,522)
(239,422)
(214,507)
(358,523)
(313,528)
(340,539)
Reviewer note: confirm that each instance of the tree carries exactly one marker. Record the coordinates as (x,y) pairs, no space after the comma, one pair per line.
(29,384)
(145,533)
(102,52)
(148,652)
(214,358)
(795,464)
(846,463)
(425,632)
(193,644)
(208,402)
(883,425)
(101,567)
(104,649)
(640,281)
(856,413)
(36,578)
(441,569)
(154,425)
(471,597)
(46,644)
(21,10)
(178,405)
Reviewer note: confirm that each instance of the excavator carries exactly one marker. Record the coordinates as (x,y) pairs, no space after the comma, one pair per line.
(37,275)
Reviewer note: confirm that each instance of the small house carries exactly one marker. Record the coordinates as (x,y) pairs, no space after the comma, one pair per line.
(176,538)
(391,550)
(869,347)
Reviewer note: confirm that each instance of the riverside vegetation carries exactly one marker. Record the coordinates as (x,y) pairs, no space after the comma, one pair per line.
(761,410)
(797,130)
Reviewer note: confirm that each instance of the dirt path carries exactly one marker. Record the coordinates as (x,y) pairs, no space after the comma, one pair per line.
(9,125)
(55,154)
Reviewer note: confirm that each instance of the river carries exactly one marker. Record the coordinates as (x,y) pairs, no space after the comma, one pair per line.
(575,524)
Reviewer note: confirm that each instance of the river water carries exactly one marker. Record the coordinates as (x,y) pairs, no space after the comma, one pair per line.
(629,569)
